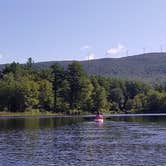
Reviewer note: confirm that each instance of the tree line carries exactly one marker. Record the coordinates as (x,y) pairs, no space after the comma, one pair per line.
(73,91)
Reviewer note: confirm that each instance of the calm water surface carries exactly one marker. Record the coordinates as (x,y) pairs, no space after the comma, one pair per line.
(119,141)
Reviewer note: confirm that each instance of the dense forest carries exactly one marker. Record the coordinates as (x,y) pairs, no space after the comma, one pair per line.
(71,90)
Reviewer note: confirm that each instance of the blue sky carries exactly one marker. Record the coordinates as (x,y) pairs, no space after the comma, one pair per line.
(77,29)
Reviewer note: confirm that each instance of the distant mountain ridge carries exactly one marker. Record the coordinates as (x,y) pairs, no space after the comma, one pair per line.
(148,67)
(144,67)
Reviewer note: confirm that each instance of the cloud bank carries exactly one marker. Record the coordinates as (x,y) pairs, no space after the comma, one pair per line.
(91,56)
(115,52)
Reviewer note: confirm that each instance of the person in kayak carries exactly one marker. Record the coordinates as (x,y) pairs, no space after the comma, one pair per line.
(99,116)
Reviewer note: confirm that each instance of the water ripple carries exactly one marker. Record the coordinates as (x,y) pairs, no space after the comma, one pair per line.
(84,143)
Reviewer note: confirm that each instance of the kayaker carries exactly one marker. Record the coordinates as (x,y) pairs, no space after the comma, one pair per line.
(99,116)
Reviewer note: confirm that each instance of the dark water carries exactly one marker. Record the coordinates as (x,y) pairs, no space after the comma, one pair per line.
(119,141)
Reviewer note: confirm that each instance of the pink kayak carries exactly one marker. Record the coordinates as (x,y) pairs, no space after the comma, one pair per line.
(99,118)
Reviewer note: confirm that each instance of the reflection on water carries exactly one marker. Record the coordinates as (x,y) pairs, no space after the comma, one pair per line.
(36,123)
(81,141)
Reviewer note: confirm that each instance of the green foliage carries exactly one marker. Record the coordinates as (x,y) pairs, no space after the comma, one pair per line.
(30,91)
(45,74)
(134,87)
(57,81)
(72,91)
(11,98)
(161,87)
(156,101)
(46,96)
(99,97)
(117,96)
(139,103)
(29,63)
(77,81)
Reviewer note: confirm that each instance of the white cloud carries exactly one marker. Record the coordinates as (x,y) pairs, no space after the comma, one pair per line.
(115,51)
(86,47)
(91,56)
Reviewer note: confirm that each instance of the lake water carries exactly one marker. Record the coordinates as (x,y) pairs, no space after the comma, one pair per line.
(79,141)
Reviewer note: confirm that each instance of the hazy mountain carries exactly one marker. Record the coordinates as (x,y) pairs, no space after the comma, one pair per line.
(146,67)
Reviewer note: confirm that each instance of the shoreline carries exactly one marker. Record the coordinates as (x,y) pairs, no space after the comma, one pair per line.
(26,114)
(56,115)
